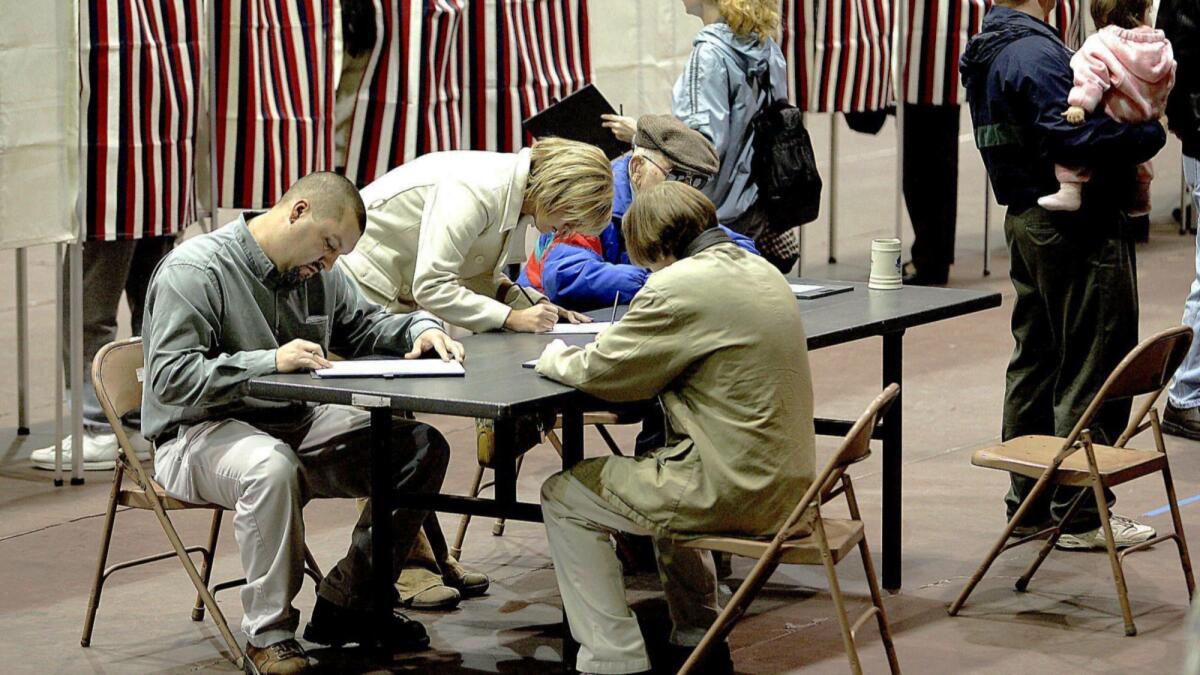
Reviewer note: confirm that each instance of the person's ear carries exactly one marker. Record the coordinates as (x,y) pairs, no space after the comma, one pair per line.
(299,208)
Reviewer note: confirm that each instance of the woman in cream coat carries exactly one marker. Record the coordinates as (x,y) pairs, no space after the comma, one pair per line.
(438,230)
(716,334)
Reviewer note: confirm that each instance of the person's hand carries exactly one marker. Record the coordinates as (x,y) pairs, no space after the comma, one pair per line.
(300,355)
(622,127)
(568,315)
(445,346)
(556,346)
(1075,114)
(537,319)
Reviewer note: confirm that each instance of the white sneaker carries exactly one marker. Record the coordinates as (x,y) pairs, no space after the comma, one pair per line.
(100,451)
(1126,532)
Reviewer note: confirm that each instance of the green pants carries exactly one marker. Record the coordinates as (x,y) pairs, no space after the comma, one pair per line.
(1075,317)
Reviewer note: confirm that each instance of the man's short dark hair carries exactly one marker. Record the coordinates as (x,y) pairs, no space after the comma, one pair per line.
(330,195)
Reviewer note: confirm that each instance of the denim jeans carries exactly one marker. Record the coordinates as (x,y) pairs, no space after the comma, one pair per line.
(1185,390)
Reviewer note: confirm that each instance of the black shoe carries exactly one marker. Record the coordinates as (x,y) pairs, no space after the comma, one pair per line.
(911,276)
(717,661)
(1183,422)
(337,626)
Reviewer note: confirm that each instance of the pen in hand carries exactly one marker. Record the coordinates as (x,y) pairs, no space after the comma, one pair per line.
(616,302)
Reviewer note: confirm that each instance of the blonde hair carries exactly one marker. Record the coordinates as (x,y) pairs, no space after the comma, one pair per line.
(663,220)
(757,19)
(571,179)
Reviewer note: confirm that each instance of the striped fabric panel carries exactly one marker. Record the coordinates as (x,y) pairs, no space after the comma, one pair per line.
(523,55)
(275,95)
(139,87)
(838,53)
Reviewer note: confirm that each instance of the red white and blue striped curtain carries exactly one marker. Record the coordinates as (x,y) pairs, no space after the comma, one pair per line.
(275,95)
(839,53)
(140,66)
(938,33)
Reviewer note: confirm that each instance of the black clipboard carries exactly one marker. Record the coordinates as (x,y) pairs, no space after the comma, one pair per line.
(577,118)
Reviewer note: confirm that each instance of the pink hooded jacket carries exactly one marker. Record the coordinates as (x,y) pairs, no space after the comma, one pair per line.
(1131,71)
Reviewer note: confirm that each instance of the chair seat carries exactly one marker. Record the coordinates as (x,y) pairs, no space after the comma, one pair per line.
(607,417)
(1030,455)
(843,536)
(135,497)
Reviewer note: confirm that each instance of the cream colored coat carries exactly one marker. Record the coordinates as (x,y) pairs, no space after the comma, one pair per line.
(438,230)
(718,337)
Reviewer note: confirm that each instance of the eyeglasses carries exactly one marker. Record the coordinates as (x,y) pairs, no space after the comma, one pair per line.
(694,180)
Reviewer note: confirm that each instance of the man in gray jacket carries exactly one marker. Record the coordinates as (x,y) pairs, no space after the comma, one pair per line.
(261,296)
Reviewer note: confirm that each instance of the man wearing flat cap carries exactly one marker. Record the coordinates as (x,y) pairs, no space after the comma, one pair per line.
(582,272)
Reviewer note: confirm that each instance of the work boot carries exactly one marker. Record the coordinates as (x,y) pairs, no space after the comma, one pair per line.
(337,626)
(1183,422)
(285,657)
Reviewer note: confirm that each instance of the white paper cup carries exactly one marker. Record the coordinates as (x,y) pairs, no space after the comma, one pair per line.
(885,265)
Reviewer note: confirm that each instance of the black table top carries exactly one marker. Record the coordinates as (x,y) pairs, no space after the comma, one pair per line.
(497,386)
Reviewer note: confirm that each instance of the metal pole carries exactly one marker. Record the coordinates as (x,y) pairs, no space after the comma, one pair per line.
(22,346)
(901,87)
(76,305)
(1185,201)
(212,123)
(987,225)
(59,252)
(833,186)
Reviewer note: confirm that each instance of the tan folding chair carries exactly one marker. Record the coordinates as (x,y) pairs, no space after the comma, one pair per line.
(1057,461)
(117,377)
(808,538)
(486,444)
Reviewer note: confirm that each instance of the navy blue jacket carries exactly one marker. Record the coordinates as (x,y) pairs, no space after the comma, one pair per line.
(582,278)
(1017,74)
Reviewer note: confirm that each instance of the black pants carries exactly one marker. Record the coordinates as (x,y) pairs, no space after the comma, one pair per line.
(931,182)
(1075,317)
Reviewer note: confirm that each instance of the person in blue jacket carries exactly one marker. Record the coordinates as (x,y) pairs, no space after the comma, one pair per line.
(1075,315)
(582,272)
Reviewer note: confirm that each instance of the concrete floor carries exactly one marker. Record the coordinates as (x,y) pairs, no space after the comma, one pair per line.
(1068,622)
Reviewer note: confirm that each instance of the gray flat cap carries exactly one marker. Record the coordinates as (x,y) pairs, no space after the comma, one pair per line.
(686,148)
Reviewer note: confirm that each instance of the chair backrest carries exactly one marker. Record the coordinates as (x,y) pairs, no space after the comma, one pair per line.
(1146,369)
(855,446)
(116,375)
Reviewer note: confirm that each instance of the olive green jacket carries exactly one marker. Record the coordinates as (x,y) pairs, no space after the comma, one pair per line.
(718,337)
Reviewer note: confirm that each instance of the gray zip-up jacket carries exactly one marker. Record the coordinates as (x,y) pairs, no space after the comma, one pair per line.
(714,96)
(215,314)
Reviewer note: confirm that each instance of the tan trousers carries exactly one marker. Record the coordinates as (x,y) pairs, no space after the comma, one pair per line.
(578,523)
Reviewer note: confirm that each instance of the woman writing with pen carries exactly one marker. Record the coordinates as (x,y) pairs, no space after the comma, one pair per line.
(439,228)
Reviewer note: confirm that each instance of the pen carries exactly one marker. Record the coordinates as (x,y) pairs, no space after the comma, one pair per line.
(621,109)
(526,295)
(615,303)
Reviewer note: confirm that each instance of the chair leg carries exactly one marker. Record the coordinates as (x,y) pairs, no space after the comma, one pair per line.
(885,629)
(1180,541)
(608,440)
(1118,573)
(311,568)
(89,620)
(206,562)
(498,526)
(465,520)
(1023,582)
(839,603)
(998,548)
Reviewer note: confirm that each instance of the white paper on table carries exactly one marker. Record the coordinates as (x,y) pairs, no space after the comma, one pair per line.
(578,328)
(803,288)
(393,368)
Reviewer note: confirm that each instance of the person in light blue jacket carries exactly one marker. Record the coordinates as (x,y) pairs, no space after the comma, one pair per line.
(583,272)
(718,95)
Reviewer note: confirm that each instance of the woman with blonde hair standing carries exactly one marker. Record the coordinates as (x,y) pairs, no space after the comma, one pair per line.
(718,95)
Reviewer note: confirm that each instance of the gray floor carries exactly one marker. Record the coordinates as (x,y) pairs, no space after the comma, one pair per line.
(1068,622)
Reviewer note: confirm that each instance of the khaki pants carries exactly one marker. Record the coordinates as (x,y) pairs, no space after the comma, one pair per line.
(266,483)
(578,523)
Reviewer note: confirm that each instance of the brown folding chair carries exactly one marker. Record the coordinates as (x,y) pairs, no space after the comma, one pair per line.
(1057,461)
(808,538)
(486,444)
(117,377)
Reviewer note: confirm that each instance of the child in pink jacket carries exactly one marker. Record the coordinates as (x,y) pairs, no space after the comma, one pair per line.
(1129,68)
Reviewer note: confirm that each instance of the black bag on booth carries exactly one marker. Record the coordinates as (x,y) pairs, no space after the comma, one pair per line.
(784,166)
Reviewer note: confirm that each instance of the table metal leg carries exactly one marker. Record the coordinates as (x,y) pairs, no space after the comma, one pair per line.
(382,574)
(893,459)
(505,464)
(22,345)
(572,454)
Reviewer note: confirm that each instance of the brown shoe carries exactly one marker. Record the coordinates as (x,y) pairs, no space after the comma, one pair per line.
(1183,422)
(285,657)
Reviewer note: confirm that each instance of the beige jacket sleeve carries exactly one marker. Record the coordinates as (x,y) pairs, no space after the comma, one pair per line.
(454,217)
(633,360)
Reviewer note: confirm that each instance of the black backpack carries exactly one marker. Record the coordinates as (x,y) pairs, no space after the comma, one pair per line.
(784,166)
